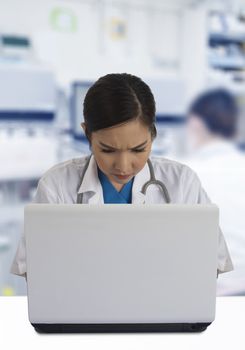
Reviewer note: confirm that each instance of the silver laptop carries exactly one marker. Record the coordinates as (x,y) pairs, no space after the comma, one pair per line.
(120,267)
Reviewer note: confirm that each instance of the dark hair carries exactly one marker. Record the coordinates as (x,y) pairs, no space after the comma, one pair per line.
(116,98)
(219,111)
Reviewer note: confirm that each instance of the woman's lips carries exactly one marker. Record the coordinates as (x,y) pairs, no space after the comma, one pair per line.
(122,176)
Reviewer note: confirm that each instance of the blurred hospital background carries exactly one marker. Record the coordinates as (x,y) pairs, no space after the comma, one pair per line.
(51,51)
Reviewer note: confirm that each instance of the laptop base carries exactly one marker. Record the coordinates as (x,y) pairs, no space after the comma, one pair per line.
(118,327)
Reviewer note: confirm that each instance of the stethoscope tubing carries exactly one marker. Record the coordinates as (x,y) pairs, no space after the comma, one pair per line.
(152,181)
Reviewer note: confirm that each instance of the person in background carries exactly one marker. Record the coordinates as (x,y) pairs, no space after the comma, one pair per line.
(212,125)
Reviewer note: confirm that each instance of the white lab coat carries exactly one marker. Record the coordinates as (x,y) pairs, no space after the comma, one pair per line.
(221,169)
(61,183)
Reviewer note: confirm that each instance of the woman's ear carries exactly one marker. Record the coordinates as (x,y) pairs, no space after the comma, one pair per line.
(83,125)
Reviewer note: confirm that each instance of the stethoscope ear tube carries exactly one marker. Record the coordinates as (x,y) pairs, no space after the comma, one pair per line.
(153,181)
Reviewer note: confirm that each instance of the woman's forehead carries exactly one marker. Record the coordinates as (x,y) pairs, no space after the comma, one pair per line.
(128,128)
(127,135)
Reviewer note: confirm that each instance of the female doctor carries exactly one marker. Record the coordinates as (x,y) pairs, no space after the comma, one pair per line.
(119,116)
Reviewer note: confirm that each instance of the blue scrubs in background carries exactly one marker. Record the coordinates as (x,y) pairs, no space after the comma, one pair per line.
(110,193)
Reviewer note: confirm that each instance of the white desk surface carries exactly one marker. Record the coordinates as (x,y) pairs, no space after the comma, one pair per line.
(226,332)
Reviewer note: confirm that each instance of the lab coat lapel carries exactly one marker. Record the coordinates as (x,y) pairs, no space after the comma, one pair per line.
(91,183)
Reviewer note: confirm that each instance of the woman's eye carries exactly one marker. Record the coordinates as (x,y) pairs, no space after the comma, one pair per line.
(106,151)
(139,150)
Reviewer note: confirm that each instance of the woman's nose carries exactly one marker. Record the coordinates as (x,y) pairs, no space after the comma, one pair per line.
(122,164)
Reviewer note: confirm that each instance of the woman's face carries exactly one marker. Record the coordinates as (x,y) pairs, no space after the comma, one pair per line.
(121,150)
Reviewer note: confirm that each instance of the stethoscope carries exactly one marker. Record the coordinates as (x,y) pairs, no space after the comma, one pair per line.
(152,181)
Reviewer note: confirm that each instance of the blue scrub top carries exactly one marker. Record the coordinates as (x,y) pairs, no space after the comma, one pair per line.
(110,193)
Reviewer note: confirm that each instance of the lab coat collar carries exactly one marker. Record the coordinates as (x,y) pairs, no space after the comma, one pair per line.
(91,183)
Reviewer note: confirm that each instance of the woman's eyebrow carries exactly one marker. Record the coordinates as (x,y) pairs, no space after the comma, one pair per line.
(103,144)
